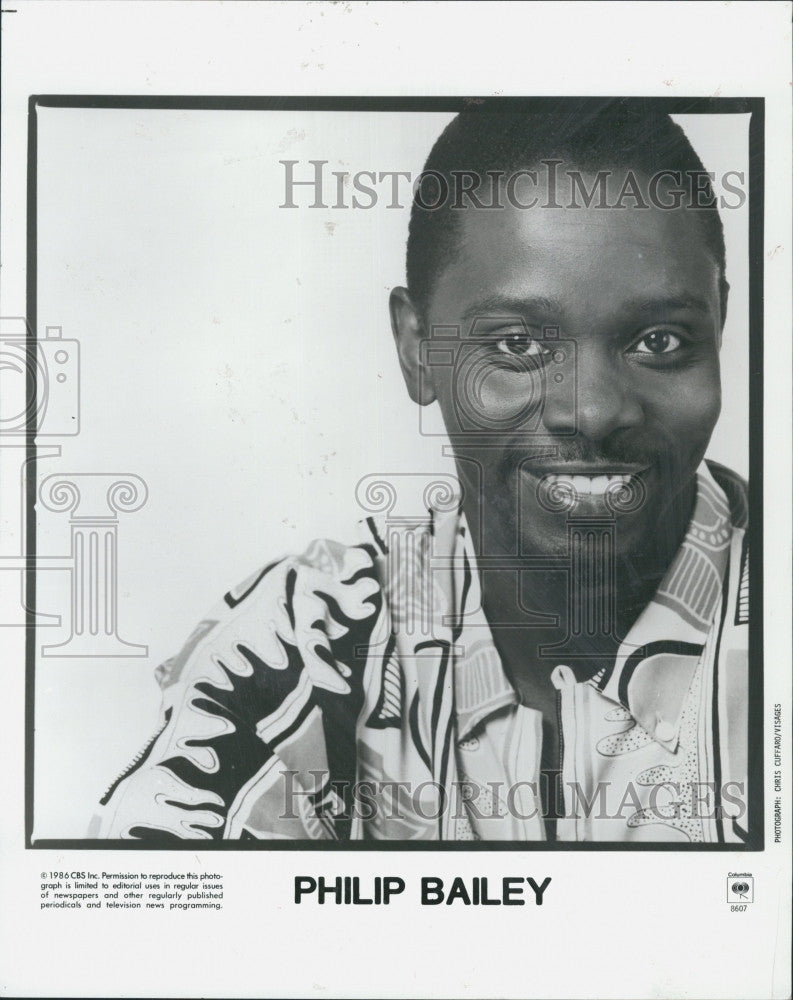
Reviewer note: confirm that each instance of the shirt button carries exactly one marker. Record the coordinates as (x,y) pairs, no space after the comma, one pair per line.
(664,732)
(472,743)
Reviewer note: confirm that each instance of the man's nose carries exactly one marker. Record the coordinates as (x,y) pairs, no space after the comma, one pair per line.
(594,400)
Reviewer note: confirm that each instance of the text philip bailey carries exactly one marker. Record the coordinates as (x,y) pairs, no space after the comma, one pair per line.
(351,890)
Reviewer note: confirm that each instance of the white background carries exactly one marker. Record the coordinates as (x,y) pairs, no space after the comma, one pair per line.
(227,364)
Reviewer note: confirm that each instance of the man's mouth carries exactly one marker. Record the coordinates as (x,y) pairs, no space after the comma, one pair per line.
(585,485)
(589,487)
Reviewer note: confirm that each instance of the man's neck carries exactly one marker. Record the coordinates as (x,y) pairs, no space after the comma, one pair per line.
(582,610)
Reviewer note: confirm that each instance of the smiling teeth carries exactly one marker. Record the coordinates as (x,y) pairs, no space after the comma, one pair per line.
(592,485)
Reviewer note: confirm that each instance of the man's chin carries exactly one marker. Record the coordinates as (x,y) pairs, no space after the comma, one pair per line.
(626,513)
(600,534)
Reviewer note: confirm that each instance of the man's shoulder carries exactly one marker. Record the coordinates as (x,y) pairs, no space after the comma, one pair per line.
(321,558)
(299,601)
(735,488)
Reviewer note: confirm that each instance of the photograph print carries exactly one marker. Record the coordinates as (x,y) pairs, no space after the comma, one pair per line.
(401,482)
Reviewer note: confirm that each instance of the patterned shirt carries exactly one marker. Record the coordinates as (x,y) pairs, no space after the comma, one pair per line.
(355,692)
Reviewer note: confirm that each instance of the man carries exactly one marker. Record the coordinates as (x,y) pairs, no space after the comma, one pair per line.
(559,651)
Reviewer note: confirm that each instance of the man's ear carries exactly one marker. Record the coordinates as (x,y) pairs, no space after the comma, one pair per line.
(408,329)
(724,295)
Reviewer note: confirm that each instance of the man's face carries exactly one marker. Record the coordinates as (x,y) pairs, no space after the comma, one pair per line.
(623,405)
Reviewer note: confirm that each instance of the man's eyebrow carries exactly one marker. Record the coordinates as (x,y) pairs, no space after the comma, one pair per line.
(667,303)
(499,305)
(538,305)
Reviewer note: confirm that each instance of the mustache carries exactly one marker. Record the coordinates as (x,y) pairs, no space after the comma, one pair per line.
(612,451)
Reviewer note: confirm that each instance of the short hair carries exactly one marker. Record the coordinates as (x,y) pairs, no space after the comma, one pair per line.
(589,133)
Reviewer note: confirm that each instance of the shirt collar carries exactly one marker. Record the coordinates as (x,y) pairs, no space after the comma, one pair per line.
(655,664)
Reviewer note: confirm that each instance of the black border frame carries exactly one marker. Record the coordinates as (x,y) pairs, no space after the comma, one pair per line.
(755,106)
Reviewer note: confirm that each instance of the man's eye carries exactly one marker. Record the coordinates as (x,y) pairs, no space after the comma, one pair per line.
(520,345)
(658,342)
